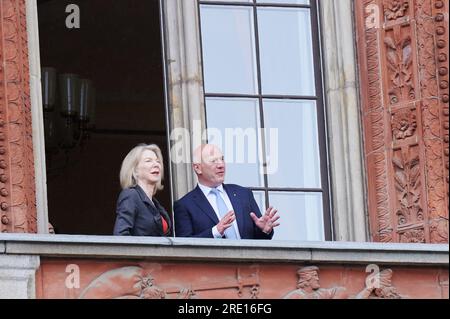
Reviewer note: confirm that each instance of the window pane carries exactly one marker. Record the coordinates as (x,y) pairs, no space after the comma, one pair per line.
(232,1)
(228,49)
(287,64)
(284,1)
(301,216)
(233,126)
(293,157)
(260,198)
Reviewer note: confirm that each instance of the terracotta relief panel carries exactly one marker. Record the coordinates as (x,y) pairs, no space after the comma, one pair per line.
(403,51)
(367,13)
(399,54)
(395,9)
(17,188)
(408,203)
(436,112)
(89,279)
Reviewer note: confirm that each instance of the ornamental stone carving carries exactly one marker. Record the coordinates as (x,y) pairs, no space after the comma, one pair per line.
(308,286)
(134,282)
(404,94)
(18,203)
(378,285)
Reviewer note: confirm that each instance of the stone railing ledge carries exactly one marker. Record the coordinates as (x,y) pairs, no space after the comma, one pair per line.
(81,246)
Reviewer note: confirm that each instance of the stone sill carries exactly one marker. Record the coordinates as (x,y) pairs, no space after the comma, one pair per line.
(210,250)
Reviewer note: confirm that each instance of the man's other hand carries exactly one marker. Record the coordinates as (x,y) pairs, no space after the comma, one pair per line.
(268,221)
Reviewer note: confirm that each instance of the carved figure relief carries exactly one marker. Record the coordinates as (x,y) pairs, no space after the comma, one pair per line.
(136,283)
(378,286)
(95,279)
(123,283)
(308,286)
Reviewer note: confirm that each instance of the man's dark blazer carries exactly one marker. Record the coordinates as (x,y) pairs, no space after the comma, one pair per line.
(195,217)
(136,216)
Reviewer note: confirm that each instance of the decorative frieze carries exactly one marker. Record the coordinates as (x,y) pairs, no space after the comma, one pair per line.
(88,279)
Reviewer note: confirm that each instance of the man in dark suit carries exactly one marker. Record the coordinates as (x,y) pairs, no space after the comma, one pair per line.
(217,210)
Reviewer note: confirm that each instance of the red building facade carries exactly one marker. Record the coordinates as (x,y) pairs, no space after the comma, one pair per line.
(402,54)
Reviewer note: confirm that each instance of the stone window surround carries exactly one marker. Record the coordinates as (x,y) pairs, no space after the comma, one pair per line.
(186,104)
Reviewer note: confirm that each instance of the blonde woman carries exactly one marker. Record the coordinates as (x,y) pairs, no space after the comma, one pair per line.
(138,211)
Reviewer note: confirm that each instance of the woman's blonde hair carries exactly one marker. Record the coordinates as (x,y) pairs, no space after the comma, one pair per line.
(128,170)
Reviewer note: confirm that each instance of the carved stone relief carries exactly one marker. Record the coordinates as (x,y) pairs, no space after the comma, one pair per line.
(111,279)
(407,184)
(399,65)
(404,85)
(17,188)
(136,283)
(378,285)
(375,134)
(308,286)
(432,31)
(127,283)
(394,9)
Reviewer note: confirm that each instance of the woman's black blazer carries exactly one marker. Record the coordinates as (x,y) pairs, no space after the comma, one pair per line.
(137,215)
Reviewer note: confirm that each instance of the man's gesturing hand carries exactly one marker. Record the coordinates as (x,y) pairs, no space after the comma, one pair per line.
(226,222)
(266,222)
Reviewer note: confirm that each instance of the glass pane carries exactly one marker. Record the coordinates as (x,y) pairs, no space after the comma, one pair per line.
(260,198)
(287,64)
(231,1)
(301,216)
(228,49)
(293,156)
(284,1)
(237,136)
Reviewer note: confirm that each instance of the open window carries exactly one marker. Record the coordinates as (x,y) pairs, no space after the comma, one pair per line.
(118,48)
